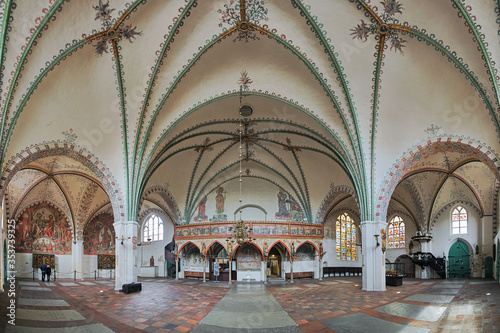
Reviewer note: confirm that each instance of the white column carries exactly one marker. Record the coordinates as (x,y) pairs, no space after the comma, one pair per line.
(126,252)
(204,269)
(291,270)
(263,267)
(77,259)
(426,247)
(320,268)
(176,268)
(230,269)
(373,257)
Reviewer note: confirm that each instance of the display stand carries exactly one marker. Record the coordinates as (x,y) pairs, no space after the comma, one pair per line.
(394,273)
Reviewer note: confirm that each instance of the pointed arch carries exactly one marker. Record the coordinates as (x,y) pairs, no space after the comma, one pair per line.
(409,160)
(77,153)
(283,244)
(183,246)
(310,243)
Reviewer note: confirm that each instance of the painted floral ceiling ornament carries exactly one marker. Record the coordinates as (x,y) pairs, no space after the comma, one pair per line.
(69,135)
(112,32)
(244,16)
(384,25)
(103,13)
(244,81)
(433,129)
(205,146)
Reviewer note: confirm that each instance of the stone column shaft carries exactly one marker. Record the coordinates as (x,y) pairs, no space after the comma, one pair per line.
(126,252)
(373,257)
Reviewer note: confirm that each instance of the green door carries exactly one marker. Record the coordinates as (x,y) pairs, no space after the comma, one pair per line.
(459,260)
(488,267)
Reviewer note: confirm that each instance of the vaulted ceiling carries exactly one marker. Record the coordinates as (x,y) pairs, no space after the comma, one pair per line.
(344,95)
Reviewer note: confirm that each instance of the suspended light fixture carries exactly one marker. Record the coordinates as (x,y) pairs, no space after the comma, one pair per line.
(241,231)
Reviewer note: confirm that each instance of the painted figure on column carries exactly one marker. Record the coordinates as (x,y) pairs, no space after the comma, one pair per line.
(152,261)
(264,248)
(384,239)
(203,249)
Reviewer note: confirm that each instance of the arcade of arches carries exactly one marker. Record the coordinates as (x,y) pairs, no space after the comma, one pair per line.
(345,134)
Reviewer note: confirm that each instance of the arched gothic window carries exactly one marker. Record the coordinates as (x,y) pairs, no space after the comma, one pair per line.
(459,220)
(345,231)
(152,229)
(397,234)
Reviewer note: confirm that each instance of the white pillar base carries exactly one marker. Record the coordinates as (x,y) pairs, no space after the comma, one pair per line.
(372,256)
(77,259)
(126,252)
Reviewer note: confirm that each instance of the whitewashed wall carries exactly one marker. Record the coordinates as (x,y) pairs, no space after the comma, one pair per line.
(157,248)
(443,238)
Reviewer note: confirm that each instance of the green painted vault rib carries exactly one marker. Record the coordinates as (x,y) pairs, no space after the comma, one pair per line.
(193,61)
(5,137)
(145,105)
(123,109)
(210,190)
(463,69)
(193,193)
(229,166)
(376,87)
(338,69)
(145,173)
(209,166)
(482,46)
(32,88)
(158,107)
(3,34)
(316,137)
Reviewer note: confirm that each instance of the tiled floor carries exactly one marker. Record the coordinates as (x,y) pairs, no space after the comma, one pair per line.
(332,305)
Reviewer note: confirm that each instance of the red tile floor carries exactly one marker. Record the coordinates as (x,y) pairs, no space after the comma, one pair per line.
(166,305)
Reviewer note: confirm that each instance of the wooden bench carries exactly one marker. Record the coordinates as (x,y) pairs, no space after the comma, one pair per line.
(342,271)
(299,275)
(193,274)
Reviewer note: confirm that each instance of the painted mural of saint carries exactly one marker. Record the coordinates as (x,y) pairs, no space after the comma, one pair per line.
(201,217)
(282,213)
(219,200)
(296,212)
(105,238)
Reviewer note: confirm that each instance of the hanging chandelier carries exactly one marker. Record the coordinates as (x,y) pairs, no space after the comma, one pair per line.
(241,231)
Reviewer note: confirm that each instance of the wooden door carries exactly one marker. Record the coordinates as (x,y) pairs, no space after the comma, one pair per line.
(488,267)
(459,260)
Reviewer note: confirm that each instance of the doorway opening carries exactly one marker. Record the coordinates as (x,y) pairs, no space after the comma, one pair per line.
(274,263)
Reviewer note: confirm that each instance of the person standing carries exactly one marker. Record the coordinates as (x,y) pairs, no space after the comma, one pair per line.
(48,271)
(43,268)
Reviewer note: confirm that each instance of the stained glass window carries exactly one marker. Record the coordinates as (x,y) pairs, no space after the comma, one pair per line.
(459,220)
(153,229)
(345,232)
(396,233)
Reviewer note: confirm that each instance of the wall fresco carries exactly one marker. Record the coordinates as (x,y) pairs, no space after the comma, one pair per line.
(304,253)
(258,229)
(99,235)
(43,229)
(248,258)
